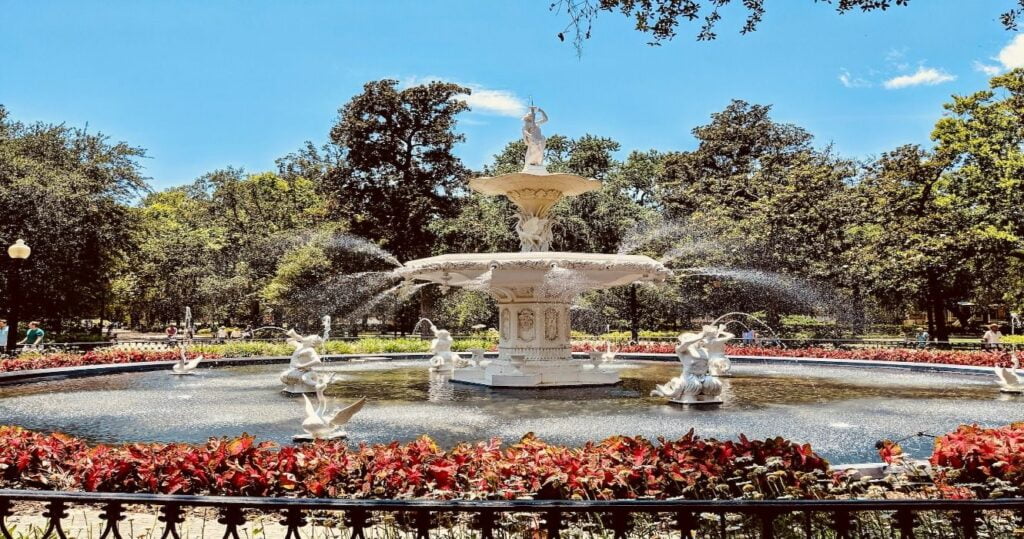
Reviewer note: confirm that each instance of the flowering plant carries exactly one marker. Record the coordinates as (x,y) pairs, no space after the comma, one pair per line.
(989,459)
(105,357)
(902,355)
(618,467)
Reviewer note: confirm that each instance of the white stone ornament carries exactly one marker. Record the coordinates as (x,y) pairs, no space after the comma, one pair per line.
(715,338)
(1009,381)
(444,360)
(299,377)
(695,385)
(534,140)
(184,367)
(320,424)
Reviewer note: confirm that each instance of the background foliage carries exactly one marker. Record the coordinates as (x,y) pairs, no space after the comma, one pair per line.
(756,217)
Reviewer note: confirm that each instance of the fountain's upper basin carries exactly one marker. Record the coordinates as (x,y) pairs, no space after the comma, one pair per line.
(588,270)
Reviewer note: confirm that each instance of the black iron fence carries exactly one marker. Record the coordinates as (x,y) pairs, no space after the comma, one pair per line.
(364,519)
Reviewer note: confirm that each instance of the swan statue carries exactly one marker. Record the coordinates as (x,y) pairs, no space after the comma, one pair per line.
(183,366)
(321,424)
(1009,381)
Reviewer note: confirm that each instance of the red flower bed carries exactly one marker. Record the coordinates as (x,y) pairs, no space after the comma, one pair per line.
(618,467)
(51,361)
(976,455)
(902,355)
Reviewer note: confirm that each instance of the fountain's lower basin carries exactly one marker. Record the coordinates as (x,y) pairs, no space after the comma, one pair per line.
(840,411)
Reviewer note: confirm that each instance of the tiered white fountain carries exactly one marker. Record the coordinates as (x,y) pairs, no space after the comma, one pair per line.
(535,288)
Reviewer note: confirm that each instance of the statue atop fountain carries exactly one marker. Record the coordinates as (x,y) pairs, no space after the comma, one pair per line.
(535,141)
(695,385)
(300,377)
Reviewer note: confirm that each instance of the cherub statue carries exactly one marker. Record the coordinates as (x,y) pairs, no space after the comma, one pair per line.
(300,378)
(695,385)
(534,233)
(534,139)
(444,359)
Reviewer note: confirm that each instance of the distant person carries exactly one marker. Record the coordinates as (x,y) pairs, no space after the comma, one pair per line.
(172,332)
(748,337)
(992,338)
(922,338)
(247,332)
(34,336)
(4,330)
(222,334)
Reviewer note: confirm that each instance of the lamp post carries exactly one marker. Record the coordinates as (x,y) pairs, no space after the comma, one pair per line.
(18,253)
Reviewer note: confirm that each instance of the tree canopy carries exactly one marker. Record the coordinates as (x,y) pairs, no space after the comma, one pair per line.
(660,19)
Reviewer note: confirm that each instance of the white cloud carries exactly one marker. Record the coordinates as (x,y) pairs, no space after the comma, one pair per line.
(850,81)
(987,69)
(928,76)
(496,102)
(1012,55)
(481,100)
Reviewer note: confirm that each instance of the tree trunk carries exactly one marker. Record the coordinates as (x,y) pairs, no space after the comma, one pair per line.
(938,307)
(634,315)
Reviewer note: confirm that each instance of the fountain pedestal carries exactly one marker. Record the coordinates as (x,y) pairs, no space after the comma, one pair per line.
(534,350)
(534,292)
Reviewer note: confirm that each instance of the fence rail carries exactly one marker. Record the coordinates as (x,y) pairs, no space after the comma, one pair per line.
(619,519)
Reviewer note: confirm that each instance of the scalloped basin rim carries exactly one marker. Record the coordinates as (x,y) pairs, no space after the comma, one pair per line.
(567,184)
(535,258)
(599,270)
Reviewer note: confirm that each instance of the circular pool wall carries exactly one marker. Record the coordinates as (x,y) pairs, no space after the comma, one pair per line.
(840,411)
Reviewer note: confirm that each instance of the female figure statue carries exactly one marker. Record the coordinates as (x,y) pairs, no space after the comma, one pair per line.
(534,139)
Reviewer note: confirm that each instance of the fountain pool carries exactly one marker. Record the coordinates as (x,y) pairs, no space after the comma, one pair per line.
(841,411)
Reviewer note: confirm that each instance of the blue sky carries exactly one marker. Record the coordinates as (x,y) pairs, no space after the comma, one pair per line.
(205,85)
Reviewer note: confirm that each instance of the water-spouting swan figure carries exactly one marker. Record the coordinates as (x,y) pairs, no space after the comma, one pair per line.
(321,424)
(1009,381)
(183,366)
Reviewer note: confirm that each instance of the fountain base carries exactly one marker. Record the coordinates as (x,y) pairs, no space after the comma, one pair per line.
(500,373)
(694,402)
(308,438)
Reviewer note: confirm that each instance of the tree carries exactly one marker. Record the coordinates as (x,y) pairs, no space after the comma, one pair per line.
(215,244)
(981,138)
(66,191)
(399,173)
(755,201)
(660,18)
